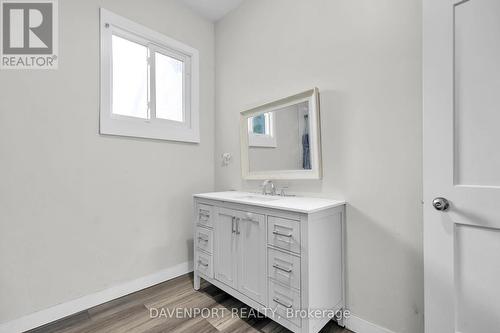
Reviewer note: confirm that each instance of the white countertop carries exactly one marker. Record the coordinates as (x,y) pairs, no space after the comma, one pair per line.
(295,204)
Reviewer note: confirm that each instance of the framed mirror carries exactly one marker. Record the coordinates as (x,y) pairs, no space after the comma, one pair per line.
(281,139)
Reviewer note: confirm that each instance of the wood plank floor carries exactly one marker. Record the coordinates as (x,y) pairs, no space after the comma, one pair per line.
(132,313)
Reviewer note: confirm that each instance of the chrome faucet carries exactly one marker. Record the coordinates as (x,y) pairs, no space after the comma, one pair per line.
(268,183)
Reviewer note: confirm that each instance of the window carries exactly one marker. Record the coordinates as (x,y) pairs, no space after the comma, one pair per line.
(260,125)
(149,83)
(261,130)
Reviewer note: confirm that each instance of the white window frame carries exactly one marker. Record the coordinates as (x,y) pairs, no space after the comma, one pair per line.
(263,140)
(153,128)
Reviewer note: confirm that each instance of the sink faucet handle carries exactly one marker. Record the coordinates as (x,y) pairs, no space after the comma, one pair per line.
(282,191)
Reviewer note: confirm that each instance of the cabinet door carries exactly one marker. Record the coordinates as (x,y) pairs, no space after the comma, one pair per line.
(251,233)
(225,249)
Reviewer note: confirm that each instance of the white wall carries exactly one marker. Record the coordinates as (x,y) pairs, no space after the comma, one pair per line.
(365,57)
(80,212)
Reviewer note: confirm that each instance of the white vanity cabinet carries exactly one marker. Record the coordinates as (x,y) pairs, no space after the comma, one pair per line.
(279,255)
(240,239)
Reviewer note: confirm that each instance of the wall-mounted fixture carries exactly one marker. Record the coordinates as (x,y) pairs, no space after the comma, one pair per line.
(226,158)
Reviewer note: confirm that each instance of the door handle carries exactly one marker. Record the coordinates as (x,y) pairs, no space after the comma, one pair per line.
(238,225)
(233,229)
(441,204)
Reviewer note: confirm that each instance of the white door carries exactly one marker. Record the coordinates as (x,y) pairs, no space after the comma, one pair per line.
(252,278)
(462,164)
(226,246)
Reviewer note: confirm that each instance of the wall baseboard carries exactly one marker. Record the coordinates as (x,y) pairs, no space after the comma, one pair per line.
(80,304)
(359,325)
(37,319)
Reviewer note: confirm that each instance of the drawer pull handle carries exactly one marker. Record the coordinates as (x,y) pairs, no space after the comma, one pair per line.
(277,233)
(277,300)
(203,239)
(204,214)
(288,270)
(202,263)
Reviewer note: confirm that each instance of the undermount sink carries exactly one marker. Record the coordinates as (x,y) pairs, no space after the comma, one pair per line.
(256,197)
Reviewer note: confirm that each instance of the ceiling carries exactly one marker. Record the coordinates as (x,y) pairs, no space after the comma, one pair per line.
(212,9)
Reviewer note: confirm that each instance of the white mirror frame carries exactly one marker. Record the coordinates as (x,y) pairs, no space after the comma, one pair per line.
(312,97)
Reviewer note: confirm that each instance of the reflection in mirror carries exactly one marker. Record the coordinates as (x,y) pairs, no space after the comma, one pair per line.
(279,140)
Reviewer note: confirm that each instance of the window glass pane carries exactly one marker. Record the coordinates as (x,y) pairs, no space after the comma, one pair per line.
(259,124)
(268,123)
(130,78)
(169,88)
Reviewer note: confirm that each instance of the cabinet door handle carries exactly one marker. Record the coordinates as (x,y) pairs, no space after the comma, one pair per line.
(233,229)
(202,263)
(277,233)
(277,300)
(288,270)
(238,225)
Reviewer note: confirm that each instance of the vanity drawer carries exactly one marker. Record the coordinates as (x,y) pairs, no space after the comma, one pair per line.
(204,264)
(284,267)
(205,215)
(284,300)
(283,233)
(204,239)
